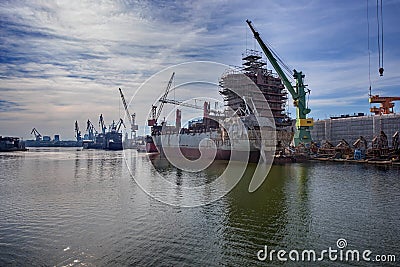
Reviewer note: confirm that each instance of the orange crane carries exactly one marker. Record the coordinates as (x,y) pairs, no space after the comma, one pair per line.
(386,104)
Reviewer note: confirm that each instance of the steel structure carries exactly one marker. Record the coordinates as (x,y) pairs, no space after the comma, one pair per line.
(299,92)
(92,132)
(77,132)
(131,118)
(386,104)
(38,136)
(184,104)
(155,113)
(102,125)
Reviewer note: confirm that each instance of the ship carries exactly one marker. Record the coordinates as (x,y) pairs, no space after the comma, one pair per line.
(258,110)
(96,142)
(245,130)
(108,140)
(113,140)
(47,141)
(8,144)
(150,146)
(216,137)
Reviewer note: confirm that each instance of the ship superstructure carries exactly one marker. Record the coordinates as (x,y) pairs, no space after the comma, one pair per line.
(271,87)
(110,140)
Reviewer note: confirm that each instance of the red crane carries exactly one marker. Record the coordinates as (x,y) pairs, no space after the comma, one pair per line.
(155,114)
(386,104)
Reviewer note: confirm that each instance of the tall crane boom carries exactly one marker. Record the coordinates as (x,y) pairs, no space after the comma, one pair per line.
(155,113)
(102,124)
(38,136)
(119,124)
(164,96)
(183,104)
(131,118)
(77,132)
(91,130)
(303,124)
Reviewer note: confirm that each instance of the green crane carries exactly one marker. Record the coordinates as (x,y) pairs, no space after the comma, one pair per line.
(303,124)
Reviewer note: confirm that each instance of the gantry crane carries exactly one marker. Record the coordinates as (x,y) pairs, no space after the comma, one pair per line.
(386,104)
(38,136)
(131,118)
(155,114)
(303,124)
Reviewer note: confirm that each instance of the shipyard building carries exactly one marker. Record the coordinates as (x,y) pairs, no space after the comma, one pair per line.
(350,128)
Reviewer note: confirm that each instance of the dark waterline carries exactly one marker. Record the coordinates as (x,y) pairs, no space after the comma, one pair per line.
(62,207)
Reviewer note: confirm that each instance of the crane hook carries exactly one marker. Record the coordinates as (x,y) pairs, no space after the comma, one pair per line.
(381,71)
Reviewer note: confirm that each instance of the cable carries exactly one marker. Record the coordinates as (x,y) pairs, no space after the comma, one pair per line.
(279,58)
(382,35)
(369,53)
(379,43)
(246,39)
(286,68)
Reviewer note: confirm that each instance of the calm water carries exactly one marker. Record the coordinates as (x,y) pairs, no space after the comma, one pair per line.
(66,207)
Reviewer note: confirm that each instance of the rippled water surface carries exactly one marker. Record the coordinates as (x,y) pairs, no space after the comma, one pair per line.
(66,207)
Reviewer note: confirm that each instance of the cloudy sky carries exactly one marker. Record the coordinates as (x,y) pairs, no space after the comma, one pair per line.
(62,61)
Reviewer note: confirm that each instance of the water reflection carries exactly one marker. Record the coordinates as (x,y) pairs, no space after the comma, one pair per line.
(88,202)
(256,219)
(248,220)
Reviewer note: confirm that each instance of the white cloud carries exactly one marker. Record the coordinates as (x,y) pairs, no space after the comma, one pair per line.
(64,60)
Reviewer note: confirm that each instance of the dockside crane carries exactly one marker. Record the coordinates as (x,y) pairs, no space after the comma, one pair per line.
(77,132)
(116,127)
(91,130)
(38,136)
(102,125)
(299,92)
(131,118)
(155,113)
(119,124)
(183,104)
(386,102)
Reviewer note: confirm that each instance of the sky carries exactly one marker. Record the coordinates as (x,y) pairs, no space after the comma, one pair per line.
(62,61)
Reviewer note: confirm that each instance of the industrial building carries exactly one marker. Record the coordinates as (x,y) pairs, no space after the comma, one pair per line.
(350,128)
